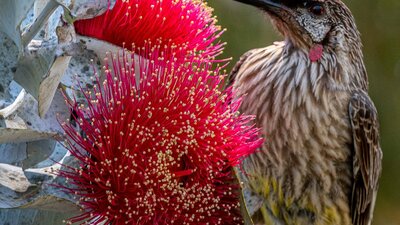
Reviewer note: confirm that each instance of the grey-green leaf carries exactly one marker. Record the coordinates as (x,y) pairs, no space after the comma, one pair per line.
(33,66)
(25,125)
(41,19)
(39,73)
(32,189)
(86,9)
(38,151)
(33,216)
(12,153)
(49,84)
(12,12)
(12,135)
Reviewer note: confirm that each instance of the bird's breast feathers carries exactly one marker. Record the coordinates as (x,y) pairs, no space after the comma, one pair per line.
(302,108)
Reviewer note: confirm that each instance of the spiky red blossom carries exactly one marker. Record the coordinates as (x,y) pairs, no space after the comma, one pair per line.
(158,148)
(185,23)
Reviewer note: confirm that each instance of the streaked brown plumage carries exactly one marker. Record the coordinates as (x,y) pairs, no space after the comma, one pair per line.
(321,160)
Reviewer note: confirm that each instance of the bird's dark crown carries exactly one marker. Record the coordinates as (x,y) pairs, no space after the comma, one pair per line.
(310,22)
(280,3)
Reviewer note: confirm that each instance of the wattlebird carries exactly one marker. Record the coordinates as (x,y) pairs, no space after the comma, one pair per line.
(321,159)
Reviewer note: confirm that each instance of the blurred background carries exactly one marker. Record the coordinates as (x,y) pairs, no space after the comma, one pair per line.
(379,24)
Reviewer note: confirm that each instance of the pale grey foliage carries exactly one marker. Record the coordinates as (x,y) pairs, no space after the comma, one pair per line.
(37,52)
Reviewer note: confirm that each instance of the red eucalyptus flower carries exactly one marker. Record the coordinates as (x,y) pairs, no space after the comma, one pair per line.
(158,148)
(184,23)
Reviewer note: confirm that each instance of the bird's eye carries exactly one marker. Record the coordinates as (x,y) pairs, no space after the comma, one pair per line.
(316,9)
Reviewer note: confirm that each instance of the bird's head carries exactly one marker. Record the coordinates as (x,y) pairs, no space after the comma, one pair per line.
(310,23)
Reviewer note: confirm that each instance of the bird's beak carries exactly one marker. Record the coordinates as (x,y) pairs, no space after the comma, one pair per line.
(265,4)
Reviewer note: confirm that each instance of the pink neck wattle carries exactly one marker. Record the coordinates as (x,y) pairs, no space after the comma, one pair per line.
(316,52)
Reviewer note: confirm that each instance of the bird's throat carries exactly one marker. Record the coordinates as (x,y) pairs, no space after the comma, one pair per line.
(316,52)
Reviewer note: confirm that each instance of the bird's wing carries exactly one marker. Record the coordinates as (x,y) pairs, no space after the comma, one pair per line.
(367,162)
(236,68)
